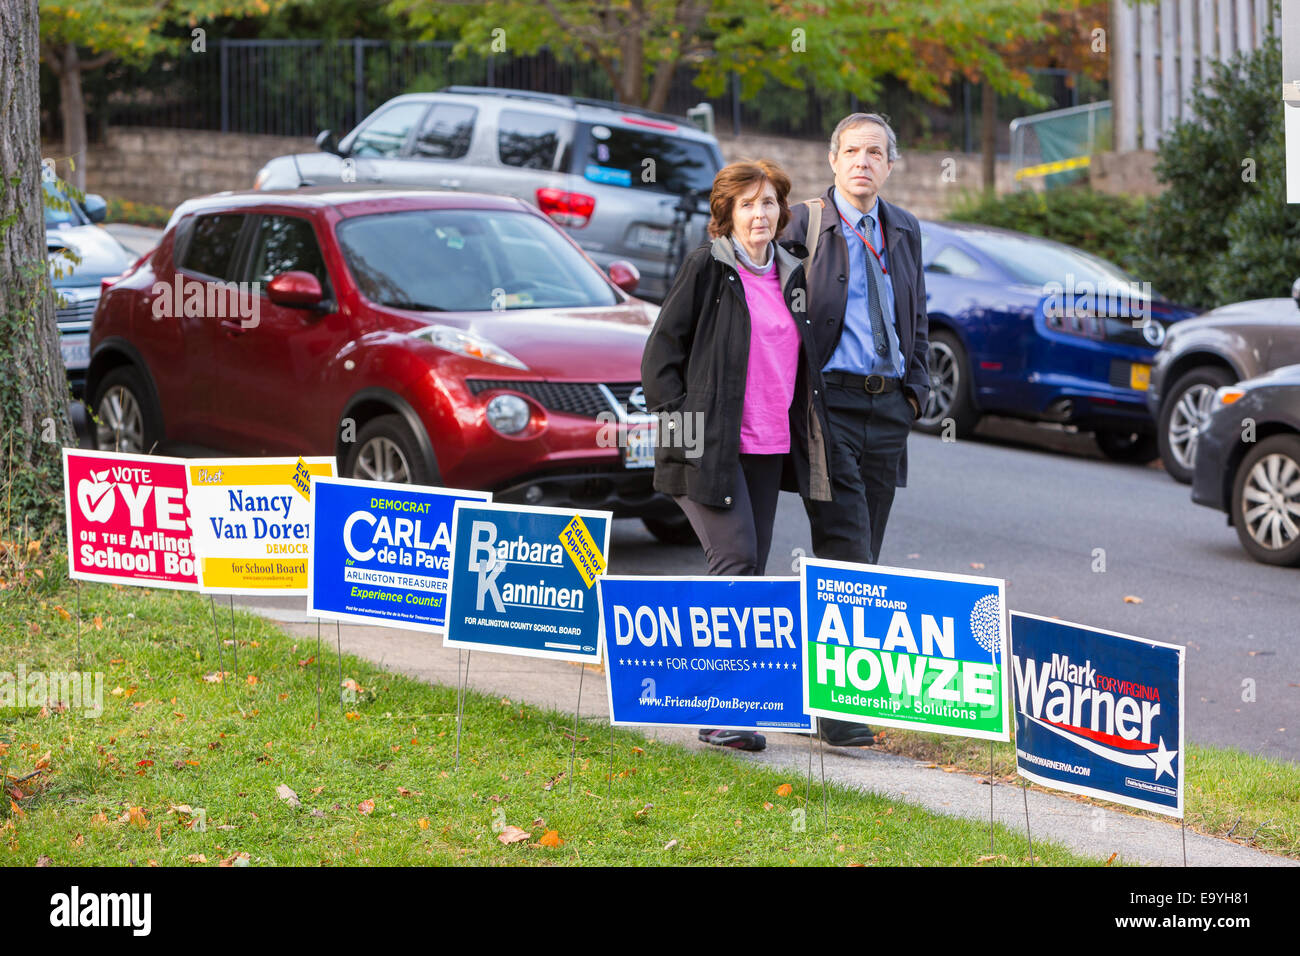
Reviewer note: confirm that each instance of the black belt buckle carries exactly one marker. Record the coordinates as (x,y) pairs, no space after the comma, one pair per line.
(880,379)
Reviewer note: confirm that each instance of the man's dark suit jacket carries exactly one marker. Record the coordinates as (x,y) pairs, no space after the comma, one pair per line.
(828,289)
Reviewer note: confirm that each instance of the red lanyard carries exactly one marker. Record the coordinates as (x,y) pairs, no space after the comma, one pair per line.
(867,242)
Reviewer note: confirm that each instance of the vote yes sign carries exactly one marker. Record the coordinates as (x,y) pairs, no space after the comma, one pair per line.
(128,522)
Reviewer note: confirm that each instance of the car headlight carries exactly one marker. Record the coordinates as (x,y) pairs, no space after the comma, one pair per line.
(1227,395)
(508,414)
(468,344)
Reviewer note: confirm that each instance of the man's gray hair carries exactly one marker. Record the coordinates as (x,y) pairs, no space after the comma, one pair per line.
(857,119)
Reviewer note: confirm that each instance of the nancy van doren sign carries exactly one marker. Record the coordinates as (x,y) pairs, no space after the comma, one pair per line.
(382,552)
(523,580)
(127,519)
(1099,713)
(720,652)
(252,522)
(921,650)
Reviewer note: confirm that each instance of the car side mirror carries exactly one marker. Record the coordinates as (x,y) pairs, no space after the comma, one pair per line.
(624,275)
(296,290)
(95,206)
(327,141)
(1295,292)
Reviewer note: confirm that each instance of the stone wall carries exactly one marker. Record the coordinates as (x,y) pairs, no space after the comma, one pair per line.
(167,166)
(1132,173)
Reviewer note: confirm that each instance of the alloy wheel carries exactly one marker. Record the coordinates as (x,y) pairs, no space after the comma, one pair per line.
(1271,502)
(380,459)
(121,422)
(1187,420)
(944,376)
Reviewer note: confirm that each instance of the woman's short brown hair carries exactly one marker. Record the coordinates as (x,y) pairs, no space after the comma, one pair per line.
(743,179)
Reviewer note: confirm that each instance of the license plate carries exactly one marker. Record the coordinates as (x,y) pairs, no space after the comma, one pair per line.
(651,238)
(639,442)
(76,354)
(1139,377)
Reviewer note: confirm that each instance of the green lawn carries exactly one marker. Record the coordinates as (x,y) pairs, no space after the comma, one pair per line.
(182,769)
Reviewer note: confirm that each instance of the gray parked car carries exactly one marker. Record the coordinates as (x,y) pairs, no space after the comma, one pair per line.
(81,255)
(1248,463)
(1200,355)
(613,176)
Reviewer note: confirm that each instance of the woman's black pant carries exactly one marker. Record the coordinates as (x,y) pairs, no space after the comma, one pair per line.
(737,539)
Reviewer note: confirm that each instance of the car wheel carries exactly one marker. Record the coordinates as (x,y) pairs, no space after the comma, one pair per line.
(125,419)
(674,530)
(1184,414)
(386,450)
(1135,448)
(1266,501)
(950,389)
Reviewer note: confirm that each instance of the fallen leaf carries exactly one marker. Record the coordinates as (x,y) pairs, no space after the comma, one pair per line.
(723,788)
(767,806)
(62,613)
(16,810)
(784,790)
(137,817)
(287,795)
(422,823)
(638,751)
(1111,859)
(196,858)
(512,834)
(352,715)
(251,680)
(670,844)
(977,565)
(44,762)
(43,861)
(99,623)
(1132,599)
(551,838)
(239,859)
(366,807)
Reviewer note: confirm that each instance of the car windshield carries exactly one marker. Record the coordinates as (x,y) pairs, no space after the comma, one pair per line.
(1036,262)
(65,214)
(468,260)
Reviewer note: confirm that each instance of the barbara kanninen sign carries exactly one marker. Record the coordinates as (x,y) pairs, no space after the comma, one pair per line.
(1098,713)
(523,580)
(920,650)
(382,552)
(127,519)
(718,652)
(252,522)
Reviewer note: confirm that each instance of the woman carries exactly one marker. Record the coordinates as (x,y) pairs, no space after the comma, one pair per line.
(733,347)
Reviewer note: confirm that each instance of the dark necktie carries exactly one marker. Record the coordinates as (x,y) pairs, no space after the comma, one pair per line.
(874,278)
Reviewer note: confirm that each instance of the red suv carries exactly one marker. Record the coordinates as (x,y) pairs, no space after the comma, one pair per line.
(436,338)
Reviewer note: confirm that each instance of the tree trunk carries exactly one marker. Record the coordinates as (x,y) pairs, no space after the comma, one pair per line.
(989,135)
(33,384)
(72,108)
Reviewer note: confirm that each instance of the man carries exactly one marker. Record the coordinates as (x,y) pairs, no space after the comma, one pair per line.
(866,307)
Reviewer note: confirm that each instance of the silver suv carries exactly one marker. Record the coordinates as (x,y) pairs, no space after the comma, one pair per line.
(616,177)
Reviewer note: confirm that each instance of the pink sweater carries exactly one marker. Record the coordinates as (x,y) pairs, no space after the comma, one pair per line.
(773,363)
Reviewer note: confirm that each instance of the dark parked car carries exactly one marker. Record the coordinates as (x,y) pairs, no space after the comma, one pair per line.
(1248,463)
(611,175)
(436,338)
(1225,345)
(1034,329)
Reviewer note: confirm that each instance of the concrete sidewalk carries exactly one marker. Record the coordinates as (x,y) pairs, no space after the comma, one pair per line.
(1084,828)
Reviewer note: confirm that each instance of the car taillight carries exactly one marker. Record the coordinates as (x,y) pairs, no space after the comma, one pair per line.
(565,208)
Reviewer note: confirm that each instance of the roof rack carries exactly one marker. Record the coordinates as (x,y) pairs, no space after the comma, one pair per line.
(560,99)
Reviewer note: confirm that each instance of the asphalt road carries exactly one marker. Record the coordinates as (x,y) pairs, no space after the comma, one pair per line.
(1031,505)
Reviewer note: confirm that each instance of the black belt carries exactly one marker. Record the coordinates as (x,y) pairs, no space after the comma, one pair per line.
(873,384)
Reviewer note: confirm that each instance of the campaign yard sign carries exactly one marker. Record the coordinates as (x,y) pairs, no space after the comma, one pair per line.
(252,522)
(523,580)
(921,650)
(127,519)
(719,652)
(1098,713)
(381,552)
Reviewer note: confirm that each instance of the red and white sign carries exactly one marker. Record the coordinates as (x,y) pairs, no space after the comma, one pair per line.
(127,519)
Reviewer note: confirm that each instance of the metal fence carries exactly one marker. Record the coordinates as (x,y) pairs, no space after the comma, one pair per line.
(298,87)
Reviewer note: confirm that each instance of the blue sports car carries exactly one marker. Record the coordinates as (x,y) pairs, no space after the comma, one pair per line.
(1030,328)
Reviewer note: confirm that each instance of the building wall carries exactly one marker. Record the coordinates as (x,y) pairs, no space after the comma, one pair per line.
(167,166)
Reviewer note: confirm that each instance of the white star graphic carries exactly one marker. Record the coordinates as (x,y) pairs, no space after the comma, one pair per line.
(1164,760)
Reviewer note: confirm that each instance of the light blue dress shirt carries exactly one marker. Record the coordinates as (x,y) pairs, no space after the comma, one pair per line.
(856,350)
